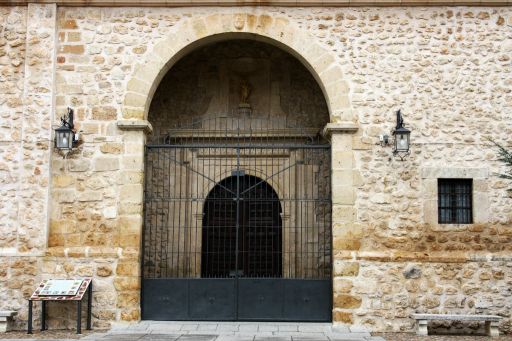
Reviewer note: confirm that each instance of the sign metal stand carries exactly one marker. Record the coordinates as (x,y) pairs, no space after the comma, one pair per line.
(62,290)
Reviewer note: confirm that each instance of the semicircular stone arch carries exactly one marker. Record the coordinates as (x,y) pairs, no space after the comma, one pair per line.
(197,32)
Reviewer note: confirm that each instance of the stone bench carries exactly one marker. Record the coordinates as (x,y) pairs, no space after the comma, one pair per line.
(6,320)
(491,321)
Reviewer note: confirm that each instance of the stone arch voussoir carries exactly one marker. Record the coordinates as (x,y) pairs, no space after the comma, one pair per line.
(277,31)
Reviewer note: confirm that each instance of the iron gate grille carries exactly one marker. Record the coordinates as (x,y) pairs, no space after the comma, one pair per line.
(237,223)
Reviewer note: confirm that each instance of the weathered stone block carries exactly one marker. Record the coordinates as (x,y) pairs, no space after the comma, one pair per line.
(342,194)
(343,213)
(133,162)
(130,177)
(90,196)
(72,49)
(68,24)
(104,113)
(129,240)
(343,268)
(347,301)
(110,212)
(131,193)
(104,270)
(130,224)
(128,299)
(342,243)
(102,164)
(64,196)
(126,283)
(73,36)
(63,181)
(343,317)
(130,208)
(79,165)
(130,315)
(127,268)
(62,226)
(342,285)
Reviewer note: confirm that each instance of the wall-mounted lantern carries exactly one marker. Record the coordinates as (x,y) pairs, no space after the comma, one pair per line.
(65,136)
(402,138)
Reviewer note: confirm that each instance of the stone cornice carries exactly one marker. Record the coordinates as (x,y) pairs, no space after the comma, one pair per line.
(288,3)
(340,127)
(135,125)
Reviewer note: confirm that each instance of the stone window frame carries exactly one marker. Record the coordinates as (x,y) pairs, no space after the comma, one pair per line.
(480,195)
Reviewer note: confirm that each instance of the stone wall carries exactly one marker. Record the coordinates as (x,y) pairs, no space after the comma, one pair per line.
(385,294)
(27,55)
(12,51)
(448,68)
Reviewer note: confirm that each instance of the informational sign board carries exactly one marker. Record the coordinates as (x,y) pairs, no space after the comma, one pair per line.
(61,290)
(57,287)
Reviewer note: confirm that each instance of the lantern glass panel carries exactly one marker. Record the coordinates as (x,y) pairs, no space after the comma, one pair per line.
(402,142)
(64,139)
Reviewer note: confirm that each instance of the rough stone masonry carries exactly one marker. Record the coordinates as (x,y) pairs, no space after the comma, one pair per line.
(447,67)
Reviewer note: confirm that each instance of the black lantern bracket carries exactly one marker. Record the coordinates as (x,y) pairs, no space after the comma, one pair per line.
(402,138)
(66,137)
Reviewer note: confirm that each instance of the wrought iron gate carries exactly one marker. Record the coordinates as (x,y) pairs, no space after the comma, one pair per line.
(237,223)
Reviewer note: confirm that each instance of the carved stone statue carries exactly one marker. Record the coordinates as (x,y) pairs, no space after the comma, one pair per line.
(245,92)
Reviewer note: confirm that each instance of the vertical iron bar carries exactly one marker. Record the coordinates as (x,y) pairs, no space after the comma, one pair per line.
(173,212)
(29,331)
(43,315)
(164,245)
(79,317)
(237,220)
(89,306)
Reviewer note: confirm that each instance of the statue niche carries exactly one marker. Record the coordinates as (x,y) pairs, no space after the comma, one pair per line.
(238,78)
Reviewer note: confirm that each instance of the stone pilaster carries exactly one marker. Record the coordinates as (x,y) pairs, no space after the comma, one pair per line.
(36,128)
(127,282)
(346,233)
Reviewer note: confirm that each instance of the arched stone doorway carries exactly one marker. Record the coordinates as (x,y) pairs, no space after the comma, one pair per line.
(257,249)
(247,113)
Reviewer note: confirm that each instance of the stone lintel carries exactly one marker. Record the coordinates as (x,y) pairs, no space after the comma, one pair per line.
(135,125)
(452,173)
(340,128)
(238,3)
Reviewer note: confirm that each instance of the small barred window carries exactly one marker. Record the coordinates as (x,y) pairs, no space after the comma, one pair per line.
(455,204)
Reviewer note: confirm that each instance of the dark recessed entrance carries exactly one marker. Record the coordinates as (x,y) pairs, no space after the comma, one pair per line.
(242,225)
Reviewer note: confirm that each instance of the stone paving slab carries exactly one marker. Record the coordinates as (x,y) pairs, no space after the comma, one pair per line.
(230,331)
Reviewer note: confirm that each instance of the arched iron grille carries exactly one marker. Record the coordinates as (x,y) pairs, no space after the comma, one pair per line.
(237,222)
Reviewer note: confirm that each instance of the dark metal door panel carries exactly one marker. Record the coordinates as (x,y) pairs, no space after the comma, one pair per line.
(307,300)
(260,299)
(212,299)
(164,299)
